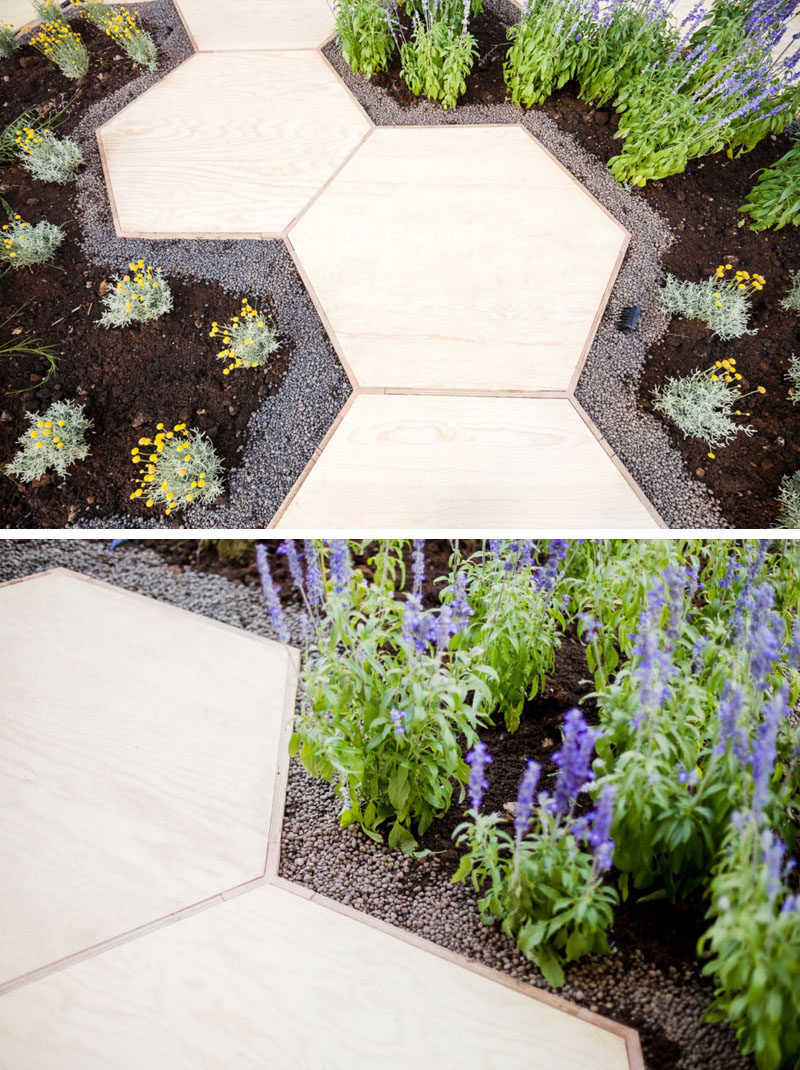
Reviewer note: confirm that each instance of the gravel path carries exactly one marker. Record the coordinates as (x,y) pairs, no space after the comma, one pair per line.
(283,434)
(608,386)
(667,1006)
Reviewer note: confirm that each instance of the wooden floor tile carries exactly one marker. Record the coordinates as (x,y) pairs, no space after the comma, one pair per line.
(137,770)
(470,463)
(459,258)
(229,144)
(257,24)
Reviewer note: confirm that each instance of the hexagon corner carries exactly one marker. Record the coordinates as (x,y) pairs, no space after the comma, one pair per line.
(268,25)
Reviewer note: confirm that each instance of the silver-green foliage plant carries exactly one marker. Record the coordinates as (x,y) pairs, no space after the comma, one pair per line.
(54,440)
(140,296)
(124,27)
(48,10)
(365,35)
(387,703)
(439,54)
(789,498)
(724,310)
(791,302)
(23,245)
(59,42)
(250,339)
(9,42)
(702,406)
(50,158)
(188,470)
(793,377)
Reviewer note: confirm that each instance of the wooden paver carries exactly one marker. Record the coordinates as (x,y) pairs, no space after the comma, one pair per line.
(272,979)
(459,258)
(457,463)
(17,13)
(256,24)
(229,144)
(138,763)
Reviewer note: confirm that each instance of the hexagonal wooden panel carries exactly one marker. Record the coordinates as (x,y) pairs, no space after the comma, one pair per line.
(137,771)
(261,24)
(275,980)
(459,258)
(228,145)
(463,463)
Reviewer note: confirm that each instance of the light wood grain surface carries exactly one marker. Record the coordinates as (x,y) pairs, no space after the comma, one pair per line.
(17,12)
(229,144)
(257,24)
(459,258)
(137,768)
(271,979)
(463,463)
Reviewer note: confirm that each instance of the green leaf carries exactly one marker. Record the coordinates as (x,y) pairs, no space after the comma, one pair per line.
(548,963)
(464,869)
(398,788)
(294,745)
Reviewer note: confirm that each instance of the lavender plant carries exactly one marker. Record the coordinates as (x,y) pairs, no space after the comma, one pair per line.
(549,44)
(440,51)
(512,613)
(365,34)
(545,880)
(386,701)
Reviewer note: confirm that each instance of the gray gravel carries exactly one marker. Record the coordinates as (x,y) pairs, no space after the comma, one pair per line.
(283,434)
(608,386)
(667,1005)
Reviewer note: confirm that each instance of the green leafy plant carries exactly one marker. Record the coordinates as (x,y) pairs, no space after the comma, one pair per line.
(701,404)
(791,302)
(365,35)
(55,440)
(548,45)
(22,245)
(789,498)
(774,201)
(138,297)
(439,54)
(250,339)
(544,882)
(124,27)
(9,41)
(47,157)
(59,42)
(180,467)
(723,304)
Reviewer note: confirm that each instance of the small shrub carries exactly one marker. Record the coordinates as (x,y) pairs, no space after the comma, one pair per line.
(64,47)
(35,118)
(546,50)
(125,28)
(249,339)
(789,498)
(793,376)
(774,201)
(136,298)
(723,304)
(48,10)
(47,157)
(365,35)
(702,404)
(180,467)
(23,244)
(9,42)
(55,440)
(438,56)
(791,302)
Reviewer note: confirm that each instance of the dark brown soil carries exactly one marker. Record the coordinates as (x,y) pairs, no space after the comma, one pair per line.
(701,207)
(129,379)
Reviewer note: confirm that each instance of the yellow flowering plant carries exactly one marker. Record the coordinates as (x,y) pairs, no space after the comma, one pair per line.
(177,466)
(722,301)
(63,46)
(22,244)
(137,297)
(9,42)
(48,10)
(47,157)
(249,339)
(124,27)
(703,404)
(55,439)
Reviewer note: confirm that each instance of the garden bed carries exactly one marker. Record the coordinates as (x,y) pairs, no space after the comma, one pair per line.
(686,225)
(264,423)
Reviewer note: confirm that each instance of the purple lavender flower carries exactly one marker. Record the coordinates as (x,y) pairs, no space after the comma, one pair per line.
(793,651)
(271,593)
(460,606)
(773,853)
(791,904)
(574,760)
(698,653)
(314,586)
(419,627)
(289,550)
(340,565)
(765,749)
(594,829)
(688,777)
(548,573)
(730,711)
(590,627)
(399,721)
(418,566)
(527,790)
(477,760)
